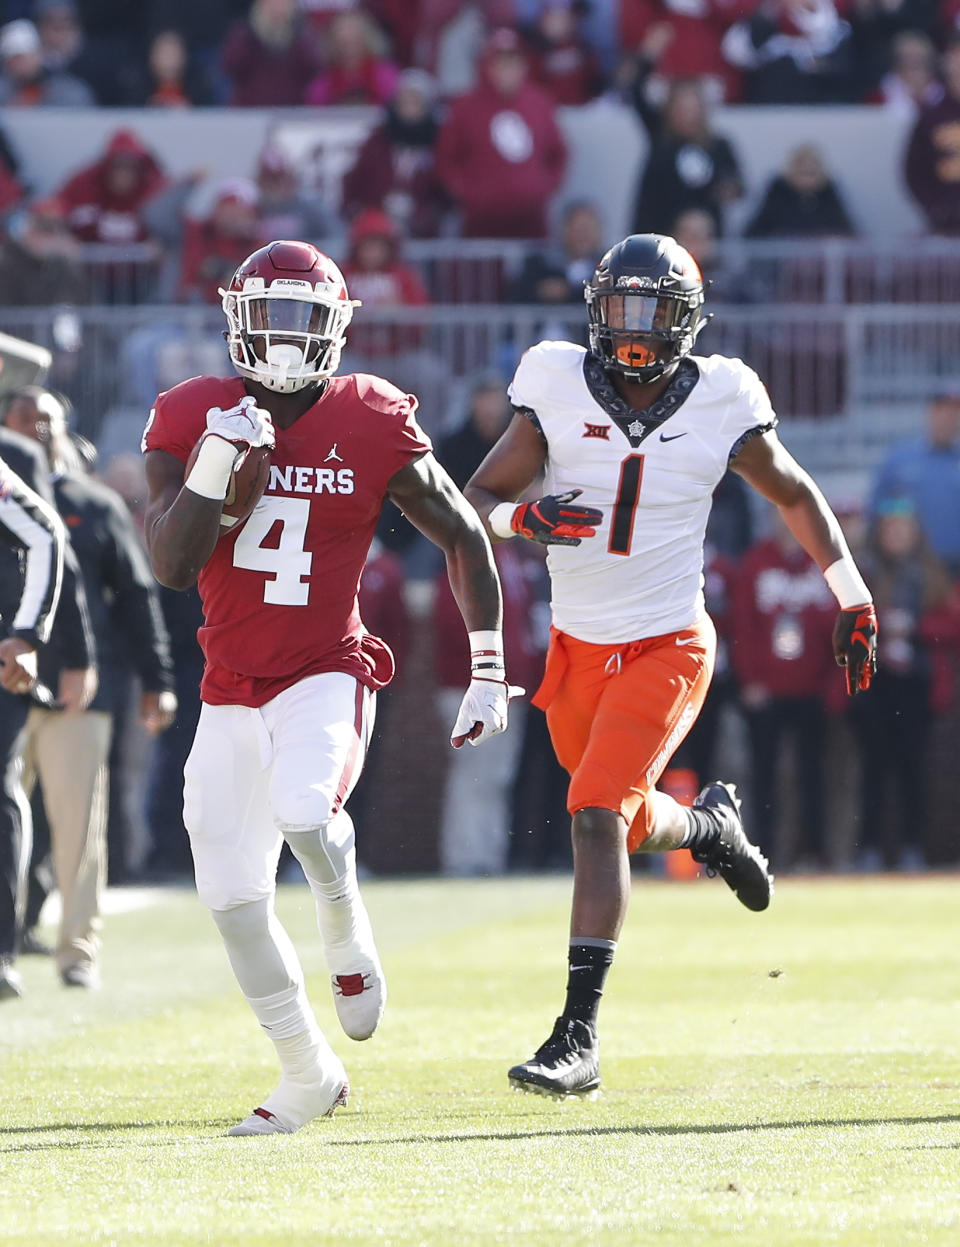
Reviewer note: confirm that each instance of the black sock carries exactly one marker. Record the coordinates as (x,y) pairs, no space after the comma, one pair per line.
(589,961)
(702,829)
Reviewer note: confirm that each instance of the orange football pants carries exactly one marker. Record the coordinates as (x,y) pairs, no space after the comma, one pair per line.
(617,714)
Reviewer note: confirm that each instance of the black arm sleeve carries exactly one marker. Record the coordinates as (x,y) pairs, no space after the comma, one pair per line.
(136,602)
(29,525)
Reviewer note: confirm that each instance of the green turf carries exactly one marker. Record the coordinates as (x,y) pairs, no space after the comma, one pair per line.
(819,1105)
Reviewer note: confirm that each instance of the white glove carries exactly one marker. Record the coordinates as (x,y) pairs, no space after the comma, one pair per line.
(245,423)
(483,711)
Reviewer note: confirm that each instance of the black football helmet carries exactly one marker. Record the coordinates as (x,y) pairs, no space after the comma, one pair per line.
(645,304)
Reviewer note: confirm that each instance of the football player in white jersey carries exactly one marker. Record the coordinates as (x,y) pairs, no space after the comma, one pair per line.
(632,436)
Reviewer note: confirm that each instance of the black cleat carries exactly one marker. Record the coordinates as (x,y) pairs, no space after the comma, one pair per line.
(567,1064)
(741,864)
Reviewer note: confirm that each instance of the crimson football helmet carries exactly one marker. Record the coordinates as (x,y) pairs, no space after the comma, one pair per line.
(645,304)
(287,311)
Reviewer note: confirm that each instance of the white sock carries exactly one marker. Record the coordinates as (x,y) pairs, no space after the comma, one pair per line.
(268,971)
(670,823)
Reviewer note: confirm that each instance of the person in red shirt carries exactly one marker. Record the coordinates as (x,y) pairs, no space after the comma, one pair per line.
(105,201)
(562,61)
(781,622)
(394,169)
(216,244)
(500,153)
(270,56)
(357,71)
(379,278)
(290,670)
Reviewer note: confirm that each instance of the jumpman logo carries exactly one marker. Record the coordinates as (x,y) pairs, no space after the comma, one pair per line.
(333,454)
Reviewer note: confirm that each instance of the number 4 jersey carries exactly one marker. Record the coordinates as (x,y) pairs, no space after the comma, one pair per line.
(652,473)
(280,591)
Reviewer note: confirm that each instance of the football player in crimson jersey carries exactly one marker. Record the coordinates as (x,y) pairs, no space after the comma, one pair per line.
(289,684)
(632,437)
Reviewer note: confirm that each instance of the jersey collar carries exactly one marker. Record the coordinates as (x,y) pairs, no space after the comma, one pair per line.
(636,425)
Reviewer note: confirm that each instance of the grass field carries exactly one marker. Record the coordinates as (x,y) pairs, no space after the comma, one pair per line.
(816,1105)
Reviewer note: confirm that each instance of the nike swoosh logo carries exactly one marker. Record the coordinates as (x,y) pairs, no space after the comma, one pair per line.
(672,438)
(685,640)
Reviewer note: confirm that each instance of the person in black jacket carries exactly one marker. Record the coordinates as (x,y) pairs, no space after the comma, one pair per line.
(801,202)
(688,165)
(29,598)
(68,753)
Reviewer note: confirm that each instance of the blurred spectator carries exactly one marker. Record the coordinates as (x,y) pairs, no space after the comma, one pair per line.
(168,853)
(911,82)
(908,583)
(462,451)
(216,245)
(39,259)
(500,152)
(105,201)
(477,799)
(202,28)
(932,165)
(926,471)
(68,752)
(125,474)
(25,80)
(270,56)
(877,26)
(394,169)
(284,209)
(170,78)
(99,38)
(781,626)
(793,52)
(696,230)
(699,750)
(377,275)
(556,273)
(451,36)
(688,165)
(384,612)
(561,61)
(801,202)
(11,191)
(357,69)
(682,39)
(730,523)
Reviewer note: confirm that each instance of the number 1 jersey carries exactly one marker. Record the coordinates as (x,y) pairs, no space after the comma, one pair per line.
(279,591)
(652,473)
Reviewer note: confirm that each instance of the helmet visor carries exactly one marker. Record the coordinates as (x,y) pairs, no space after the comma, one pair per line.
(634,313)
(291,316)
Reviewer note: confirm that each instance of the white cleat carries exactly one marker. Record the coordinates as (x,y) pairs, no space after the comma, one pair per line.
(292,1105)
(359,998)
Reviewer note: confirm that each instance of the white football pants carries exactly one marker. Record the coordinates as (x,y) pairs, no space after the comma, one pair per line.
(253,774)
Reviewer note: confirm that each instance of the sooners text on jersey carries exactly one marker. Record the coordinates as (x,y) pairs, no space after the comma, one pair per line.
(280,591)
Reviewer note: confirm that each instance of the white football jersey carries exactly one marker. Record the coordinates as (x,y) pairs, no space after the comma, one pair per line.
(651,473)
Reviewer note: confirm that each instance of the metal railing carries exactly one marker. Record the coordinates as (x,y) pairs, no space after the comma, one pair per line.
(832,271)
(852,376)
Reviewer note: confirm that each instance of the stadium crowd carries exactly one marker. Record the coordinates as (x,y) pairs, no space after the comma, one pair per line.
(466,144)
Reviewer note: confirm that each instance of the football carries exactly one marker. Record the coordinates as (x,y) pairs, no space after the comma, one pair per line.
(246,487)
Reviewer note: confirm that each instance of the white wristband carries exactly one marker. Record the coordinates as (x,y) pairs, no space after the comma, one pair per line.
(210,475)
(499,519)
(486,655)
(846,583)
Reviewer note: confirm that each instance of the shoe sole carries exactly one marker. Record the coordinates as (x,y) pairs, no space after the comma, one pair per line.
(590,1092)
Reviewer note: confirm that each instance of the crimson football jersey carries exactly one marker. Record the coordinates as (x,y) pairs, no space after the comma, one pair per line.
(280,590)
